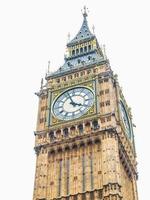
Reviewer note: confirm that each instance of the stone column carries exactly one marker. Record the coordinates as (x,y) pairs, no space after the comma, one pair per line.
(96,195)
(79,197)
(88,196)
(71,198)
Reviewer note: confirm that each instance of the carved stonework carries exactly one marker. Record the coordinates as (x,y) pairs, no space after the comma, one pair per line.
(83,149)
(96,195)
(88,196)
(79,197)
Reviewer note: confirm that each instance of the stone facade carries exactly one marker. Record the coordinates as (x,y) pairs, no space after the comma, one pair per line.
(91,157)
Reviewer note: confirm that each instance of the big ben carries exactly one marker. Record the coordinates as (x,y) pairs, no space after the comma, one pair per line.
(84,140)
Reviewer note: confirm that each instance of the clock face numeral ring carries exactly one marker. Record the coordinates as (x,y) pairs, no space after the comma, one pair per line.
(73,103)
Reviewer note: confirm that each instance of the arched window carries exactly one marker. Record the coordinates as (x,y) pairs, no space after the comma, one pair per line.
(85,49)
(77,51)
(89,47)
(82,73)
(65,132)
(76,75)
(70,77)
(58,133)
(51,136)
(72,129)
(95,124)
(73,52)
(89,71)
(80,128)
(87,126)
(81,50)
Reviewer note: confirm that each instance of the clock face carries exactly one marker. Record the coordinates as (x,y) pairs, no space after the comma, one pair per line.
(125,119)
(73,103)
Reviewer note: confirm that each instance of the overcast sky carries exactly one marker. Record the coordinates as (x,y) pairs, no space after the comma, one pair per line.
(35,31)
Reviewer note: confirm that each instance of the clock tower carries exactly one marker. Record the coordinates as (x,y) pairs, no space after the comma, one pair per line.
(84,141)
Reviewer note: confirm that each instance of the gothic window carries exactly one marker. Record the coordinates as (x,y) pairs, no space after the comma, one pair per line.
(73,52)
(89,47)
(81,50)
(80,128)
(76,75)
(87,126)
(58,133)
(64,78)
(51,136)
(65,132)
(72,129)
(107,103)
(77,51)
(95,124)
(102,104)
(70,77)
(82,73)
(85,49)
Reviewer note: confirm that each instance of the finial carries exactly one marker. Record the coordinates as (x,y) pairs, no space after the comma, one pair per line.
(42,83)
(48,66)
(68,37)
(93,28)
(104,51)
(85,12)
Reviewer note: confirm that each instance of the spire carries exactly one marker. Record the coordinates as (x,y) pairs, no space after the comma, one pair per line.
(82,51)
(84,32)
(85,13)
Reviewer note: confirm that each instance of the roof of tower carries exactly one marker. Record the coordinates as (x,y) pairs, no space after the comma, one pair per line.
(89,56)
(84,32)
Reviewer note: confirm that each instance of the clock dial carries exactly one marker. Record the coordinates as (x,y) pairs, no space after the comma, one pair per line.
(73,103)
(125,119)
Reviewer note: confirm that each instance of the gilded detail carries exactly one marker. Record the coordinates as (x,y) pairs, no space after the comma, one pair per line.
(84,140)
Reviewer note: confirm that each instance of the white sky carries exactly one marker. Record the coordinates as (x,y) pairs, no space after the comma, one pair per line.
(33,32)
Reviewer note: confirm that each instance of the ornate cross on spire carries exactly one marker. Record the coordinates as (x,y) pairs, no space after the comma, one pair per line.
(85,12)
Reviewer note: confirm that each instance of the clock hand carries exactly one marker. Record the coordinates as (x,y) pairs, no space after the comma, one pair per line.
(72,102)
(78,104)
